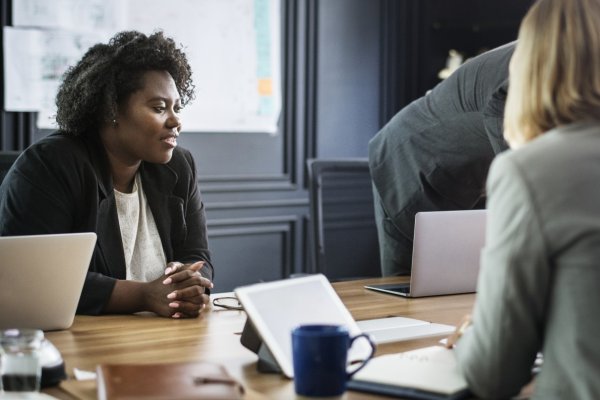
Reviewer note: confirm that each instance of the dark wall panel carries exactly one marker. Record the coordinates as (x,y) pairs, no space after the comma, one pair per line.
(226,154)
(250,251)
(348,76)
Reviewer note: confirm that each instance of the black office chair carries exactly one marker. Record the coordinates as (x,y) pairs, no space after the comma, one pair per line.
(344,235)
(7,158)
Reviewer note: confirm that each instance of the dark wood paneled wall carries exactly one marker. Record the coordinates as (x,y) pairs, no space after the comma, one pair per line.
(348,67)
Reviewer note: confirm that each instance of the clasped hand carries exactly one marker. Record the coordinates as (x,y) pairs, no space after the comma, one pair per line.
(182,294)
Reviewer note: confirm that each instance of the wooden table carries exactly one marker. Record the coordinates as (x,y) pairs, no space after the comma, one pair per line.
(215,336)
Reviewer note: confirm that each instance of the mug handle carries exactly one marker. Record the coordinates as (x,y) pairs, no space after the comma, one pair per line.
(364,362)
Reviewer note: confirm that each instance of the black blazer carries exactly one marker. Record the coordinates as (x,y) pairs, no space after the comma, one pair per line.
(62,184)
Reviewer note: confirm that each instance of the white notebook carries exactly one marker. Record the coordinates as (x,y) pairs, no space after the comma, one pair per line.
(426,373)
(396,329)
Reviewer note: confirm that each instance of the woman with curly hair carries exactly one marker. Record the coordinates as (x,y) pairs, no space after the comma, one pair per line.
(114,168)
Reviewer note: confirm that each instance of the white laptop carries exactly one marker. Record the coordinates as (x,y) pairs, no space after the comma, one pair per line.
(41,278)
(446,254)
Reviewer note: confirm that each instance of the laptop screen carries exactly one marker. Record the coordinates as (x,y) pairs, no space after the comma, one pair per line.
(41,277)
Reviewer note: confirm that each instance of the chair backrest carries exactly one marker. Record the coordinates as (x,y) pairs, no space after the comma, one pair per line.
(344,235)
(7,158)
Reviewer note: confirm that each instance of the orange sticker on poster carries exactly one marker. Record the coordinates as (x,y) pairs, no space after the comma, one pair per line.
(265,87)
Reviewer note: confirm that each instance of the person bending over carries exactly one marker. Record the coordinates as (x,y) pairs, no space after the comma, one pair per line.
(114,168)
(435,153)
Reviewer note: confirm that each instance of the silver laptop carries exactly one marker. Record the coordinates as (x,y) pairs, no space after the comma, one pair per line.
(41,278)
(446,254)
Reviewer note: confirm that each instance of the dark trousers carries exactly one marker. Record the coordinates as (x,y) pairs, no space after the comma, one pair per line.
(396,239)
(395,248)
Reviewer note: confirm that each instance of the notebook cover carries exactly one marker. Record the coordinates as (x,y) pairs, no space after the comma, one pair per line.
(196,380)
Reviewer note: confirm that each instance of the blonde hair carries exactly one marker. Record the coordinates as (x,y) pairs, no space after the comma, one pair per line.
(555,70)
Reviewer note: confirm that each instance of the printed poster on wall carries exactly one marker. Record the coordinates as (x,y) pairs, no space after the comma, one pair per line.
(233,47)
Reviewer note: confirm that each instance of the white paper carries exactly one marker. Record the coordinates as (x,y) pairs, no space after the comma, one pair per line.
(22,70)
(233,47)
(83,375)
(35,61)
(76,15)
(230,45)
(396,329)
(415,369)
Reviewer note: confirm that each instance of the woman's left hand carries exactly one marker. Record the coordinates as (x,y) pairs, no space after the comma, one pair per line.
(188,297)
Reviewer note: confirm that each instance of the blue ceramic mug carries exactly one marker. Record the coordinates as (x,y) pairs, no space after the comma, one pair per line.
(320,355)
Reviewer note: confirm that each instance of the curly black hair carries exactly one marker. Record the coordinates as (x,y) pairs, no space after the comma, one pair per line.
(94,88)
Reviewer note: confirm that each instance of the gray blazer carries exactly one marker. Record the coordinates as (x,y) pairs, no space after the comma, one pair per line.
(538,284)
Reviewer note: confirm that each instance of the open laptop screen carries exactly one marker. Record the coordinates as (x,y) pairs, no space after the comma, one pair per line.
(41,277)
(446,254)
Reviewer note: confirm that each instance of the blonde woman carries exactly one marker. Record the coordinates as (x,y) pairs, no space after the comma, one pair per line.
(538,285)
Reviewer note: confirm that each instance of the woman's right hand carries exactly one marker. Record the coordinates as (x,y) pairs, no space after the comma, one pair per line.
(465,323)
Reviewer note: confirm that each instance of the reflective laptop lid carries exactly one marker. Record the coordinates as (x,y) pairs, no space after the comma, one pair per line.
(446,252)
(41,278)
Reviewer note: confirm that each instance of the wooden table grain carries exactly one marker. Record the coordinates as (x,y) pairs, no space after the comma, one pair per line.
(215,337)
